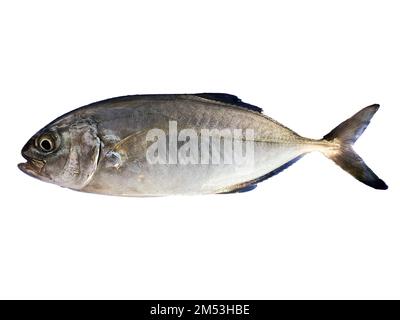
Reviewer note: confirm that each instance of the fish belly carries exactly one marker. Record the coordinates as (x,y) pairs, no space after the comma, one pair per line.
(139,178)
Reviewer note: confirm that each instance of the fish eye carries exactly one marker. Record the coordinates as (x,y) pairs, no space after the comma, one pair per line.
(46,143)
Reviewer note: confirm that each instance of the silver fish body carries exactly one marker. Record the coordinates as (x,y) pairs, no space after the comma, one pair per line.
(104,147)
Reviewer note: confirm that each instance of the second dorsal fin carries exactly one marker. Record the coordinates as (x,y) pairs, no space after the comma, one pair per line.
(229,99)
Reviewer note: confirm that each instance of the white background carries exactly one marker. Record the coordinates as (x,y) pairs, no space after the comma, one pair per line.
(310,232)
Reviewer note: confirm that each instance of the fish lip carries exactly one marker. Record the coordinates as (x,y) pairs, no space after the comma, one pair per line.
(29,169)
(32,167)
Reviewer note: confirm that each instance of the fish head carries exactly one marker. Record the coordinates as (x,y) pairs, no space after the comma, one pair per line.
(63,153)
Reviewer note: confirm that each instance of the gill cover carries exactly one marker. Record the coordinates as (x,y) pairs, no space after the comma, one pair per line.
(83,155)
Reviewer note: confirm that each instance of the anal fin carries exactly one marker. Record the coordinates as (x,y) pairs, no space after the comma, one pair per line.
(246,188)
(252,184)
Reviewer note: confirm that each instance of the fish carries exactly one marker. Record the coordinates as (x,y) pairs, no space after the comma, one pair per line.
(180,144)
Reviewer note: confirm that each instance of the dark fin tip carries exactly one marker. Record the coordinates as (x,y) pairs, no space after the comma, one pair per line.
(379,184)
(228,99)
(373,106)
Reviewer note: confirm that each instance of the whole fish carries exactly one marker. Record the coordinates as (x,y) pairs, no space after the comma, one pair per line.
(155,145)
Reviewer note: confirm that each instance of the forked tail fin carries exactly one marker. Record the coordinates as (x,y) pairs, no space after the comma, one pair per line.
(344,135)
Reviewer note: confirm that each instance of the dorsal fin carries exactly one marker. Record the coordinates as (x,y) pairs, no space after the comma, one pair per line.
(220,97)
(229,99)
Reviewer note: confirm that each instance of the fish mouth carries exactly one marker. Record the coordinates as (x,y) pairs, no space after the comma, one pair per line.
(32,167)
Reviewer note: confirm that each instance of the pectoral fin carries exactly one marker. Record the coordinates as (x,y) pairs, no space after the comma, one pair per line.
(133,146)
